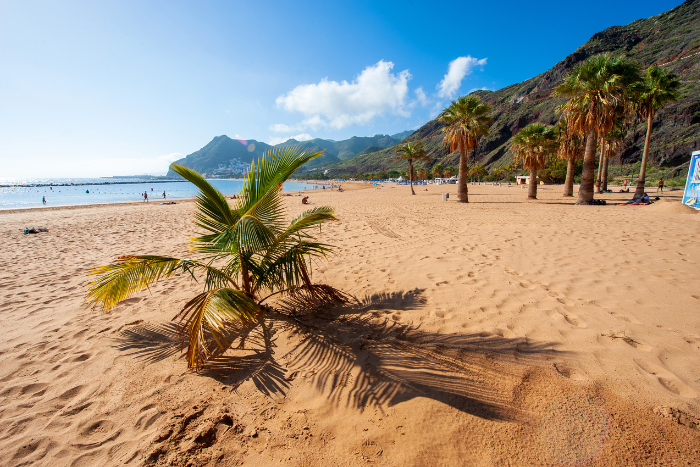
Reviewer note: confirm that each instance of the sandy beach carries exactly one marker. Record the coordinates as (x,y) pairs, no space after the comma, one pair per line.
(499,332)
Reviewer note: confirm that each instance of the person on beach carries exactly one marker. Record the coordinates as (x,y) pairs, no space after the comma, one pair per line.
(661,186)
(305,200)
(624,187)
(145,197)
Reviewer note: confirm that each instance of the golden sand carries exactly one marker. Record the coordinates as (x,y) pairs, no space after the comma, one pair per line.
(499,332)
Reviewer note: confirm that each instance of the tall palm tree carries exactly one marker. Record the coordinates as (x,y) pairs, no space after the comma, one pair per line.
(596,88)
(532,146)
(466,120)
(437,170)
(245,253)
(410,152)
(660,87)
(570,149)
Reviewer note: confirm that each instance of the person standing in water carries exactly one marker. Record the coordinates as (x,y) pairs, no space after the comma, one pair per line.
(163,194)
(145,196)
(43,199)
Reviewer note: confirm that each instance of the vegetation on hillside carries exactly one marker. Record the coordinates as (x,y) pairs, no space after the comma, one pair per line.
(664,41)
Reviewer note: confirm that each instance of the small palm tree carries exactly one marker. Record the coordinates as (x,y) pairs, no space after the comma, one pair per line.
(478,171)
(422,173)
(570,149)
(246,254)
(507,169)
(466,120)
(437,171)
(497,174)
(597,88)
(449,171)
(611,146)
(532,146)
(410,152)
(659,88)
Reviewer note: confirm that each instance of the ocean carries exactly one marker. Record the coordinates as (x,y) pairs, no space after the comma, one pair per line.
(28,193)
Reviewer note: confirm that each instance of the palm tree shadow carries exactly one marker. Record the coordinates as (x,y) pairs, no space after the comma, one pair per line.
(150,343)
(355,355)
(252,359)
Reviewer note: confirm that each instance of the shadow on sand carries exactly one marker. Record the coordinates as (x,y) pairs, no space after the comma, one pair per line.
(357,356)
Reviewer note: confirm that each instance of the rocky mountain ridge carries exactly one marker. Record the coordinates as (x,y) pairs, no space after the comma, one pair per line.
(671,40)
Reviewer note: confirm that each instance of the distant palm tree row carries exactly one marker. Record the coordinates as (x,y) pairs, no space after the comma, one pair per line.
(605,95)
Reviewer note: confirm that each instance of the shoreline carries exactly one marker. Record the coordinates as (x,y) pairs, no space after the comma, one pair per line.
(151,201)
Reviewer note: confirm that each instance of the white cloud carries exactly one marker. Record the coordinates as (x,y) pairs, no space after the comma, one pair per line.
(457,70)
(375,91)
(281,139)
(421,98)
(282,128)
(170,158)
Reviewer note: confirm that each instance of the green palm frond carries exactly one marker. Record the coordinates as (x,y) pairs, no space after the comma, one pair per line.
(534,144)
(466,120)
(128,275)
(213,212)
(411,152)
(209,315)
(597,88)
(658,89)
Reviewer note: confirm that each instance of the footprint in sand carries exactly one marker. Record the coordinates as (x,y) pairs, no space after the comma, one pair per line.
(574,320)
(666,379)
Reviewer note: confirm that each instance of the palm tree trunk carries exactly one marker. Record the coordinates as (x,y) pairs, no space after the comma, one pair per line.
(605,174)
(532,189)
(600,164)
(569,183)
(585,191)
(643,171)
(410,175)
(462,190)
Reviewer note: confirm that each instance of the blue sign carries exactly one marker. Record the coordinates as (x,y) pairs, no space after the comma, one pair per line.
(691,196)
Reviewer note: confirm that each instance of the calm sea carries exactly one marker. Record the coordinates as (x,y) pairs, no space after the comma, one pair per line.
(16,194)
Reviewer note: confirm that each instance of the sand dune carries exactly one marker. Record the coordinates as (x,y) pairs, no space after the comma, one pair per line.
(501,332)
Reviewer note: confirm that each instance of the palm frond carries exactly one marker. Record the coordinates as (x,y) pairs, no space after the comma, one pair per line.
(213,212)
(206,318)
(129,274)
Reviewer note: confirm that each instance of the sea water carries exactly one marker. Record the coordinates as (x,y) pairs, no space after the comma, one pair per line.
(17,194)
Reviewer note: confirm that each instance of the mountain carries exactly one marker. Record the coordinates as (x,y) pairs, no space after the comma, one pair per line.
(220,151)
(671,39)
(217,156)
(403,135)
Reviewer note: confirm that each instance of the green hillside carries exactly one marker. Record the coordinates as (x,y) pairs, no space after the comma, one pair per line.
(221,150)
(217,156)
(671,39)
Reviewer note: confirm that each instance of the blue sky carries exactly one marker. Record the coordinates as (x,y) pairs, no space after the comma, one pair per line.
(92,88)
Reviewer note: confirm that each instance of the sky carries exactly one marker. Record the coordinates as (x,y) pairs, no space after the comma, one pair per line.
(104,88)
